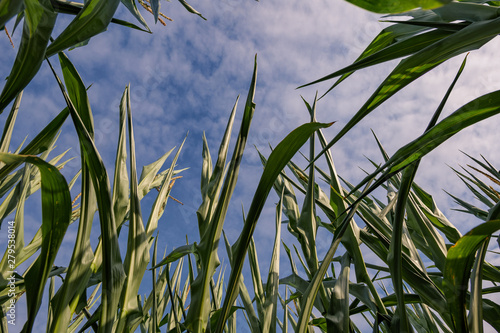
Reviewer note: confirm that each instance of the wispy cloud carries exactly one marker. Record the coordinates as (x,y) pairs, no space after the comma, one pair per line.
(186,76)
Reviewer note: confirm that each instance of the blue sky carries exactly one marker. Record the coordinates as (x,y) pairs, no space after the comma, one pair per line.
(186,76)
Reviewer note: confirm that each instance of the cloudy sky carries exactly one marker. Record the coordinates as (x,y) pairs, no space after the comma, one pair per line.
(186,76)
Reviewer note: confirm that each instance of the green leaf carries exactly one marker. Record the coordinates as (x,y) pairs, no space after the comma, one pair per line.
(212,180)
(470,12)
(395,50)
(131,6)
(79,270)
(389,36)
(177,253)
(138,245)
(350,240)
(473,112)
(121,184)
(252,319)
(158,207)
(207,249)
(337,318)
(476,298)
(22,190)
(309,296)
(394,258)
(155,7)
(113,274)
(472,37)
(394,6)
(9,126)
(9,9)
(90,21)
(189,8)
(271,300)
(278,159)
(38,24)
(56,214)
(459,262)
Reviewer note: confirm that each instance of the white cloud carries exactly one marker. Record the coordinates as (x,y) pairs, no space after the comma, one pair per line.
(186,76)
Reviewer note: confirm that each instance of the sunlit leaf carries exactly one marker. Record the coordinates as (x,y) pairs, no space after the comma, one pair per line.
(90,21)
(38,24)
(56,214)
(394,6)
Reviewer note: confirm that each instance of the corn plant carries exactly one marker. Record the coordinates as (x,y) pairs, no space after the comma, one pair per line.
(419,283)
(119,279)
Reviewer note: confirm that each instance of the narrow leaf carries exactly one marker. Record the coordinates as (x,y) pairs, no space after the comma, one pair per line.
(278,159)
(56,213)
(472,37)
(392,6)
(93,19)
(113,274)
(38,24)
(459,262)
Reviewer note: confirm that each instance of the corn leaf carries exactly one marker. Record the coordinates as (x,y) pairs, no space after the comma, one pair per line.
(79,270)
(200,305)
(9,9)
(113,274)
(393,51)
(93,19)
(395,251)
(309,296)
(56,213)
(475,317)
(121,186)
(467,11)
(189,8)
(459,262)
(22,188)
(472,37)
(252,319)
(393,6)
(161,200)
(473,112)
(271,288)
(41,143)
(390,35)
(278,159)
(38,24)
(137,256)
(9,125)
(337,318)
(155,7)
(131,6)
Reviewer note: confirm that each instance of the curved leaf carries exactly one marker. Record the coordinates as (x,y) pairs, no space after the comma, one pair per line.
(56,215)
(278,159)
(207,248)
(459,262)
(93,19)
(408,70)
(9,9)
(393,51)
(473,112)
(113,274)
(395,6)
(190,9)
(130,4)
(38,24)
(79,271)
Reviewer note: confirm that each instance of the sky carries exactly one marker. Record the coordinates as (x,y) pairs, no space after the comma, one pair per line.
(186,76)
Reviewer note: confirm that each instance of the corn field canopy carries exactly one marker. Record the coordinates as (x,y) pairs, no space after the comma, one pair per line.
(245,166)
